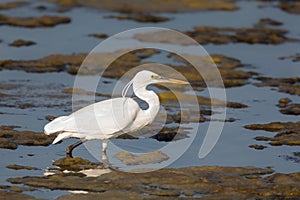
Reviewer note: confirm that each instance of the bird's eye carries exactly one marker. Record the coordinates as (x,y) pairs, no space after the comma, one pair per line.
(154,77)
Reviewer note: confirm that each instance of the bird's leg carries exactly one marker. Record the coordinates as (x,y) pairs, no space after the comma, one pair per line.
(71,147)
(104,156)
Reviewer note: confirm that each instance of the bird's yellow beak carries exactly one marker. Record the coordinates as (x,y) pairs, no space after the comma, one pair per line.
(169,80)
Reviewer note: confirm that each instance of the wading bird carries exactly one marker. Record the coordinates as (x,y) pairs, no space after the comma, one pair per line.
(113,117)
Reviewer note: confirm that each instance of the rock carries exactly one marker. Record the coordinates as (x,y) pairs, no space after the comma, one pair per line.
(289,133)
(144,6)
(285,85)
(18,167)
(143,18)
(259,34)
(283,102)
(267,21)
(295,157)
(212,182)
(71,64)
(257,146)
(292,109)
(12,5)
(294,58)
(98,35)
(10,138)
(26,105)
(51,63)
(20,43)
(49,117)
(15,188)
(290,7)
(168,97)
(33,22)
(76,164)
(4,195)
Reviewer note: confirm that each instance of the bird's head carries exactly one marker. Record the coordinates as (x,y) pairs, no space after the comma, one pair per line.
(148,77)
(145,77)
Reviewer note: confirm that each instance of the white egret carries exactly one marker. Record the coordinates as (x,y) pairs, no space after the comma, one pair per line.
(113,117)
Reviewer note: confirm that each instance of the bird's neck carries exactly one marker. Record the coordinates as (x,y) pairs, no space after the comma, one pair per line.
(150,98)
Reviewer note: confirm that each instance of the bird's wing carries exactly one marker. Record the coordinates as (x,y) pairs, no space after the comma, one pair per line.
(102,118)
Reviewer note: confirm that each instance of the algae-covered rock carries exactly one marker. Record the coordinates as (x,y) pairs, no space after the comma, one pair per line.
(286,85)
(97,61)
(144,6)
(12,5)
(289,108)
(98,35)
(257,146)
(4,195)
(20,43)
(76,164)
(19,167)
(289,133)
(212,182)
(33,22)
(143,18)
(259,34)
(168,97)
(290,6)
(10,138)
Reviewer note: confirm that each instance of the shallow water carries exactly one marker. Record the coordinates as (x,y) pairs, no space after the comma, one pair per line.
(232,147)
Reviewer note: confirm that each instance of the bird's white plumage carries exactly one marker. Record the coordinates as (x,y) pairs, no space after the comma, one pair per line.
(100,120)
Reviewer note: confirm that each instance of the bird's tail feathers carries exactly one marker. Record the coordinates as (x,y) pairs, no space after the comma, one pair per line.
(61,137)
(55,125)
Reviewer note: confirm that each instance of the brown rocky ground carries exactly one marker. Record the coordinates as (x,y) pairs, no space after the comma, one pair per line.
(209,182)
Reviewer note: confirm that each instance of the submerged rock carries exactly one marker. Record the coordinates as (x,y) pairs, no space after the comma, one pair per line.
(169,97)
(19,167)
(294,58)
(20,43)
(15,195)
(10,138)
(289,108)
(98,35)
(141,159)
(267,22)
(76,164)
(211,182)
(33,22)
(257,146)
(143,18)
(295,157)
(290,6)
(15,188)
(96,62)
(11,5)
(144,6)
(259,34)
(286,85)
(289,133)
